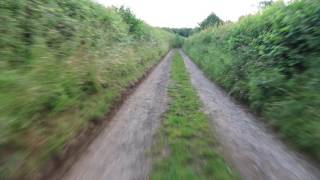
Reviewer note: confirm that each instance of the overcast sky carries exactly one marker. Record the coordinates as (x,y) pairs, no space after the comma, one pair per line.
(184,13)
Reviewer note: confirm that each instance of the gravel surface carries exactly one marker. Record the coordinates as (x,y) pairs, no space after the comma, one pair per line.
(119,152)
(253,150)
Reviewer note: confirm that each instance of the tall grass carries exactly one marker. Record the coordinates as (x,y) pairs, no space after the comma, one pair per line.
(62,64)
(271,61)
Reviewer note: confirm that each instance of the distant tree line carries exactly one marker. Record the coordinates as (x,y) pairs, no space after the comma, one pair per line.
(210,21)
(184,32)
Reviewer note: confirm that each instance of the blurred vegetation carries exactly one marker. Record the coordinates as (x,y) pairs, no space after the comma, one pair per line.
(271,61)
(62,64)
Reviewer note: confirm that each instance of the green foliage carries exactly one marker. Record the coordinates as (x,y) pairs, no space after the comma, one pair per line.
(136,26)
(271,61)
(62,64)
(210,21)
(186,148)
(177,41)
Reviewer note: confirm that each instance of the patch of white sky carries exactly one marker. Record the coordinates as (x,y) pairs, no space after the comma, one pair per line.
(185,13)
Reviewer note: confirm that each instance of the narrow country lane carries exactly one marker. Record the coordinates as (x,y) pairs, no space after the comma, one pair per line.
(247,144)
(119,152)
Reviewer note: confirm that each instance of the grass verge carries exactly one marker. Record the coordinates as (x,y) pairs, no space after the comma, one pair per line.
(185,147)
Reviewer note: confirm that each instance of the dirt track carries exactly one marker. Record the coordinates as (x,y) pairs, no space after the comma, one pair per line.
(254,151)
(119,152)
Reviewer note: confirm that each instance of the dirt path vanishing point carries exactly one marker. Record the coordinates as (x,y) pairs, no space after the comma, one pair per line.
(119,152)
(251,149)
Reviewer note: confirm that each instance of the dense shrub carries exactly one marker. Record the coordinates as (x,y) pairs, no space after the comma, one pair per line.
(62,64)
(270,60)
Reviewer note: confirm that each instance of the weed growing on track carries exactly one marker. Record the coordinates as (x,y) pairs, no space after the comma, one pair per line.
(185,147)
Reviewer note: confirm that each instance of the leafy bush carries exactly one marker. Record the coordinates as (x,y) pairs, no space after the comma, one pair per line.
(62,64)
(270,60)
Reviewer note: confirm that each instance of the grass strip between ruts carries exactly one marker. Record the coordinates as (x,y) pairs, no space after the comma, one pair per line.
(185,147)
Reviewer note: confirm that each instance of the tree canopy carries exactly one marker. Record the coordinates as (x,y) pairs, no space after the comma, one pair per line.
(211,20)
